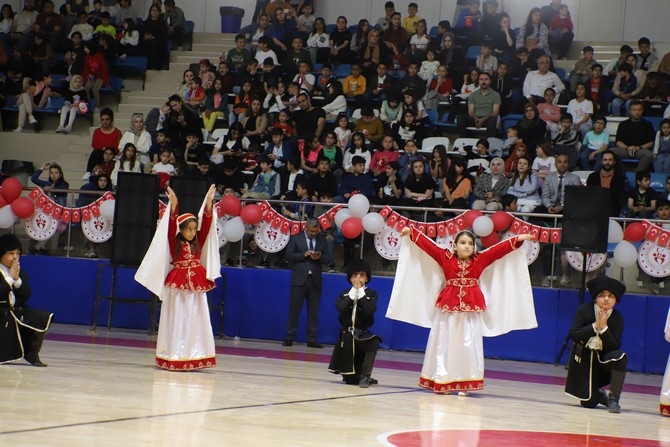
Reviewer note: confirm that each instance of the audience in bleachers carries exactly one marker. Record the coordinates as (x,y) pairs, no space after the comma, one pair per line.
(293,86)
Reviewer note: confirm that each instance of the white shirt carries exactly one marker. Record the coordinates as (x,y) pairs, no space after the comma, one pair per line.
(536,83)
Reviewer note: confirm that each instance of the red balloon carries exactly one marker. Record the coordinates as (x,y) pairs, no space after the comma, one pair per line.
(23,207)
(634,232)
(11,189)
(490,240)
(3,202)
(251,214)
(501,220)
(469,217)
(352,227)
(231,206)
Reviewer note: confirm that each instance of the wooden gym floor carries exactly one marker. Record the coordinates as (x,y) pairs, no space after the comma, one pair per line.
(103,390)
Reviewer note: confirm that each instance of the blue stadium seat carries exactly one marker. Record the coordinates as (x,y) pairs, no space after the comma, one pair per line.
(433,32)
(133,66)
(658,181)
(473,53)
(330,28)
(343,71)
(561,73)
(510,120)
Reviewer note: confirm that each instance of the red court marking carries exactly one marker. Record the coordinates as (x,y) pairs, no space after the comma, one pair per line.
(503,438)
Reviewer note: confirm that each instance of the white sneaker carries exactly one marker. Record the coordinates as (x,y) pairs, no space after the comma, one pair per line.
(67,129)
(18,130)
(32,120)
(60,129)
(564,280)
(546,282)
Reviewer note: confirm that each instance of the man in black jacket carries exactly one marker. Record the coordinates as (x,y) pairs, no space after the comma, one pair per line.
(22,329)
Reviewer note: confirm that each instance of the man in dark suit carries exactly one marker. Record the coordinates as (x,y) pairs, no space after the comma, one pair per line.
(22,329)
(596,358)
(306,252)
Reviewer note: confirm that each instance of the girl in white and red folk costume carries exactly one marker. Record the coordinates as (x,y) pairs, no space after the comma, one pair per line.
(185,338)
(665,388)
(478,294)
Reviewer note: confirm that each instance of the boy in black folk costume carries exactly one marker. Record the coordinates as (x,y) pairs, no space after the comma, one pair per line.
(22,328)
(356,348)
(596,358)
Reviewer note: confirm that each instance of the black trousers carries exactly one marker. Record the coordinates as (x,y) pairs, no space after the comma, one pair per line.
(312,294)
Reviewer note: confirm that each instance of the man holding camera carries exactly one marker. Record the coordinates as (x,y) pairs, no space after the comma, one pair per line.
(307,253)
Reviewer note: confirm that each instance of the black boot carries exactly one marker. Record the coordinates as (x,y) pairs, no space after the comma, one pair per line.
(616,385)
(32,354)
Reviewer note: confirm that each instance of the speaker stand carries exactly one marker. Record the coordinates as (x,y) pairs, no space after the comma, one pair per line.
(582,296)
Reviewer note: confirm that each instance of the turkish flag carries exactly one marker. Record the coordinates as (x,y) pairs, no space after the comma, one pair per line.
(544,235)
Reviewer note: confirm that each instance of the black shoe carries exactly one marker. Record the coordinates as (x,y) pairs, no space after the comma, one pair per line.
(35,361)
(287,343)
(613,404)
(314,344)
(603,397)
(373,381)
(364,382)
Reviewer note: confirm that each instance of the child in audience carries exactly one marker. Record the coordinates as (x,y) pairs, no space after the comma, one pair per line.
(662,148)
(105,25)
(195,95)
(239,56)
(242,102)
(509,143)
(324,80)
(304,78)
(411,21)
(440,89)
(581,109)
(194,151)
(216,105)
(285,124)
(641,201)
(486,62)
(230,147)
(332,153)
(264,51)
(337,103)
(560,28)
(95,15)
(623,88)
(164,169)
(130,38)
(357,148)
(565,141)
(128,162)
(26,103)
(74,96)
(418,43)
(582,70)
(309,155)
(429,67)
(206,73)
(549,112)
(95,72)
(251,158)
(343,132)
(544,162)
(595,142)
(82,27)
(266,184)
(355,84)
(391,110)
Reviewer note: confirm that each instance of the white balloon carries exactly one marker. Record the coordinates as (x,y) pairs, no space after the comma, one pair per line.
(107,209)
(625,254)
(359,205)
(233,230)
(341,216)
(373,223)
(7,218)
(482,226)
(614,232)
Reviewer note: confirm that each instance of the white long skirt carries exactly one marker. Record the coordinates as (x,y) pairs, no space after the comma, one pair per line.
(454,359)
(185,338)
(665,391)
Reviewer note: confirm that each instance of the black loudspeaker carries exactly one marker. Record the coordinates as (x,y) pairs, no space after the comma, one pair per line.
(190,192)
(585,219)
(135,217)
